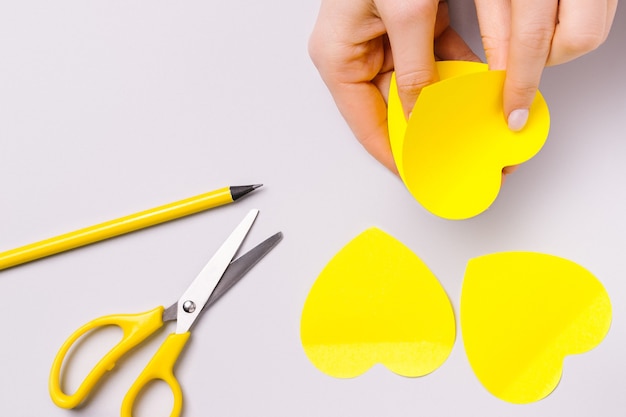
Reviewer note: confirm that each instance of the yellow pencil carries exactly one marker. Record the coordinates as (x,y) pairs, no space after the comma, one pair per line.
(123,225)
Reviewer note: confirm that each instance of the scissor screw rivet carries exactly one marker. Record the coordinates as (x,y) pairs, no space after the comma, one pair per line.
(189,306)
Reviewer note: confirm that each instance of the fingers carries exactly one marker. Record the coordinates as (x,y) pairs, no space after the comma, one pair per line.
(532,28)
(354,57)
(341,44)
(583,26)
(523,36)
(494,18)
(347,47)
(411,28)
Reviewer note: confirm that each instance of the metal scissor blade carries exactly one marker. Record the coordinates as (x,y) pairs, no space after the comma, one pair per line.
(234,273)
(237,269)
(195,297)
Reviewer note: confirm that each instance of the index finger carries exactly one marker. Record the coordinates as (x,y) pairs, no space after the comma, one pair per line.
(532,27)
(494,18)
(411,29)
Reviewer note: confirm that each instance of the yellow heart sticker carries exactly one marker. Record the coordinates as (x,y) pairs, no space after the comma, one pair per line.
(377,302)
(451,152)
(522,313)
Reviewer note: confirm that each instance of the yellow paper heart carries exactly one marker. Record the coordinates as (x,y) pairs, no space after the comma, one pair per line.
(451,152)
(377,302)
(522,313)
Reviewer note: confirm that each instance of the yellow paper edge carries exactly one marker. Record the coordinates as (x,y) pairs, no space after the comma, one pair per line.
(519,326)
(355,316)
(450,156)
(396,121)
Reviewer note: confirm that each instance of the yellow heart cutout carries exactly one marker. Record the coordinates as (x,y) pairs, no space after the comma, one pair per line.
(451,152)
(522,313)
(377,302)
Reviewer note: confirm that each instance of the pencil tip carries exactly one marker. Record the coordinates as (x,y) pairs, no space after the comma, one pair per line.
(239,191)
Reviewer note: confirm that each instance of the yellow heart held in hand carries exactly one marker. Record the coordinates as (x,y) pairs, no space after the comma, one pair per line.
(522,313)
(451,152)
(377,302)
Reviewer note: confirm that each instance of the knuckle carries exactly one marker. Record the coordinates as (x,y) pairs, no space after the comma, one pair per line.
(536,37)
(409,12)
(581,43)
(522,90)
(493,43)
(367,140)
(411,83)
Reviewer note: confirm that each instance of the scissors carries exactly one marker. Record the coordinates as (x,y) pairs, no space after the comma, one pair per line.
(215,279)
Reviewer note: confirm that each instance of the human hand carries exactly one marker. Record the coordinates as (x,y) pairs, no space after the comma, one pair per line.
(523,36)
(356,44)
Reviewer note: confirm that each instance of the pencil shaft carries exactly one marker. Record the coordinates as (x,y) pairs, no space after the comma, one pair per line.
(115,227)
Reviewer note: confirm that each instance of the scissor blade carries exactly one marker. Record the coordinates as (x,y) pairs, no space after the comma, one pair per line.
(234,273)
(237,269)
(195,297)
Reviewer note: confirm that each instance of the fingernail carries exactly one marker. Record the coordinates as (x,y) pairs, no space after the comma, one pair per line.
(517,119)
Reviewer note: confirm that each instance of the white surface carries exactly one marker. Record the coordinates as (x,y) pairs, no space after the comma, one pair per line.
(109,108)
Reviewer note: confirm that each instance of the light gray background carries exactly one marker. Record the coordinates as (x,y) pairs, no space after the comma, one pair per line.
(108,108)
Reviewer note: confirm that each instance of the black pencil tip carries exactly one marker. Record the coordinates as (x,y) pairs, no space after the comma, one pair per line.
(238,191)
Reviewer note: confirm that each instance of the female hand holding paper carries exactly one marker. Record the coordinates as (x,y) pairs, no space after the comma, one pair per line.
(356,44)
(523,36)
(353,41)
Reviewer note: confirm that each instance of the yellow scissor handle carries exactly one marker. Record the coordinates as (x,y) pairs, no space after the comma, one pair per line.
(160,367)
(136,328)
